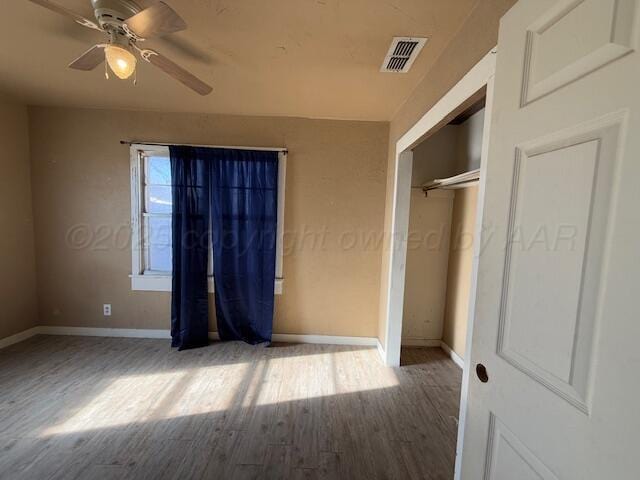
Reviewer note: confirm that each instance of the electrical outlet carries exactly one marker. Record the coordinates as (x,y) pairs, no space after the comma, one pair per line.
(106,309)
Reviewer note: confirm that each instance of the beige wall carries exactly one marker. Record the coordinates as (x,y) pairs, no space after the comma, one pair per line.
(476,37)
(460,265)
(17,259)
(427,260)
(335,184)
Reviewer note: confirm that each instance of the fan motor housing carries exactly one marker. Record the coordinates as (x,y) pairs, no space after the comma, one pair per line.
(113,13)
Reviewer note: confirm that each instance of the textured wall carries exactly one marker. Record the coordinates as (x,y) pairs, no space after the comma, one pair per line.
(17,259)
(335,184)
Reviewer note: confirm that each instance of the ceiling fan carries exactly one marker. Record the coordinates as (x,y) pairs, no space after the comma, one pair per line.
(127,26)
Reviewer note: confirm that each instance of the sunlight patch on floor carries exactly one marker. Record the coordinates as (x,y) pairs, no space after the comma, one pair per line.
(156,396)
(153,397)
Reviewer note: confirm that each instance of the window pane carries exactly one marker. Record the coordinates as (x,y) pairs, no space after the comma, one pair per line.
(159,230)
(158,199)
(159,171)
(160,258)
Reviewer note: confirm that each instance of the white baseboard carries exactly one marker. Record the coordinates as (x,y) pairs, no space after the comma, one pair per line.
(325,339)
(315,339)
(18,337)
(420,342)
(105,332)
(165,334)
(454,356)
(381,352)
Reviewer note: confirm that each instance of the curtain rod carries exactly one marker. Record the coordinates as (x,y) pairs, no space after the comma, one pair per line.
(268,149)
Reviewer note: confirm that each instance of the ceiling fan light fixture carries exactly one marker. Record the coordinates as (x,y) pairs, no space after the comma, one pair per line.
(121,61)
(126,23)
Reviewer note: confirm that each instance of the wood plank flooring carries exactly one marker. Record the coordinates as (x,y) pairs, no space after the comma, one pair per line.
(116,408)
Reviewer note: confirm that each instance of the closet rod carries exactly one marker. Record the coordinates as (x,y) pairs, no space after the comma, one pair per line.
(450,186)
(167,144)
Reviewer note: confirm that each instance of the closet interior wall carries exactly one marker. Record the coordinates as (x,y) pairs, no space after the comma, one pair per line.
(440,242)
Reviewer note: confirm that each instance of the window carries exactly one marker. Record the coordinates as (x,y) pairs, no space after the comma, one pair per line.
(156,213)
(151,219)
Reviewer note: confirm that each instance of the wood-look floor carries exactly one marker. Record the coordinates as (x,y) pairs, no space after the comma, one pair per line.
(114,408)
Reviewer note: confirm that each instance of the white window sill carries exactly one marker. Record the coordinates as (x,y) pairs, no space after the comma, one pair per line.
(162,283)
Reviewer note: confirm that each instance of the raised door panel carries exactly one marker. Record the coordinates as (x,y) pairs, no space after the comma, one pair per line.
(573,39)
(509,459)
(555,250)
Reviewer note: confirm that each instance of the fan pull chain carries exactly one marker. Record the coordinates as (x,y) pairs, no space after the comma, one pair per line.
(106,71)
(135,77)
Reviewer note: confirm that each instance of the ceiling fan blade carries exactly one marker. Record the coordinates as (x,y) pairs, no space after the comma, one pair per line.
(89,59)
(67,13)
(176,71)
(159,19)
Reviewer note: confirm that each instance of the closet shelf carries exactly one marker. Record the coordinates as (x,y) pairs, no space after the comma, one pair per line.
(462,180)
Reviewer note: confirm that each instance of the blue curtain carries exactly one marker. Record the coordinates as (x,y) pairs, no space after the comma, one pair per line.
(190,177)
(244,186)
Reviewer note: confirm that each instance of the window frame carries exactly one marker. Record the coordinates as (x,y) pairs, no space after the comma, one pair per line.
(160,281)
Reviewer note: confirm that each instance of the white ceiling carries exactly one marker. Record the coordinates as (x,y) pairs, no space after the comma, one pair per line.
(308,58)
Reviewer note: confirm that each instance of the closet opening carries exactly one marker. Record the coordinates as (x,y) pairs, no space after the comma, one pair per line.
(440,241)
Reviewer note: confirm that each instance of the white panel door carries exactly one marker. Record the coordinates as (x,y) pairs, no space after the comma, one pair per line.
(557,312)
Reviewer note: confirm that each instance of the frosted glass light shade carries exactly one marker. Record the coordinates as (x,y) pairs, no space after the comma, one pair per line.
(121,61)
